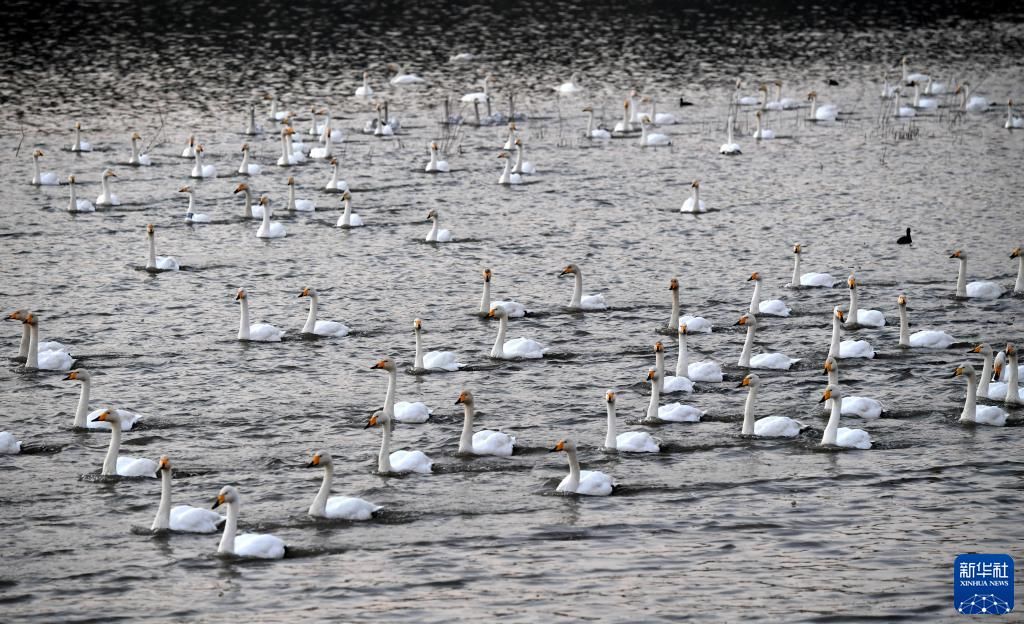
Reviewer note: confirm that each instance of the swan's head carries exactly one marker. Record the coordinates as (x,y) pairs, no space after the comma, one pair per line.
(566,446)
(588,109)
(227,495)
(385,364)
(851,282)
(38,153)
(751,380)
(754,277)
(185,189)
(998,364)
(79,375)
(695,184)
(503,155)
(1009,102)
(164,464)
(830,365)
(320,458)
(109,416)
(964,370)
(518,142)
(31,319)
(345,196)
(609,397)
(291,181)
(78,126)
(433,146)
(241,187)
(982,348)
(763,87)
(682,330)
(652,374)
(417,325)
(245,147)
(812,96)
(778,83)
(465,397)
(673,284)
(378,419)
(240,295)
(498,312)
(136,137)
(625,104)
(307,292)
(646,120)
(758,113)
(1011,350)
(109,174)
(289,130)
(18,315)
(831,392)
(571,269)
(71,180)
(264,201)
(958,254)
(1015,253)
(658,347)
(150,230)
(366,75)
(797,248)
(901,301)
(838,313)
(431,215)
(747,319)
(487,275)
(200,149)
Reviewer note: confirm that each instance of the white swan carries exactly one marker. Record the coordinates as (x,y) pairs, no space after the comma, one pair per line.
(334,184)
(971,103)
(745,100)
(485,442)
(258,545)
(399,461)
(268,229)
(846,349)
(298,205)
(772,307)
(694,203)
(578,301)
(249,211)
(841,436)
(673,319)
(435,165)
(1018,285)
(510,140)
(669,383)
(706,370)
(628,441)
(855,317)
(325,152)
(384,126)
(138,159)
(479,97)
(348,219)
(85,419)
(80,144)
(1012,121)
(365,91)
(671,412)
(625,125)
(972,412)
(315,127)
(44,359)
(762,133)
(191,216)
(821,112)
(336,507)
(115,464)
(518,348)
(1008,391)
(651,139)
(935,88)
(402,78)
(200,170)
(9,445)
(251,127)
(403,411)
(190,147)
(507,177)
(155,263)
(433,360)
(730,147)
(986,368)
(769,427)
(974,290)
(899,110)
(808,280)
(784,102)
(570,87)
(260,332)
(183,518)
(775,361)
(924,339)
(320,328)
(42,178)
(75,204)
(106,197)
(512,308)
(246,168)
(522,167)
(276,115)
(851,405)
(586,482)
(437,234)
(600,134)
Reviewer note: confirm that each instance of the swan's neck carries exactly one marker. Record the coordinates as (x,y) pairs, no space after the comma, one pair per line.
(903,64)
(1018,286)
(683,362)
(191,210)
(73,204)
(485,299)
(917,94)
(755,300)
(285,153)
(1012,384)
(610,441)
(696,198)
(833,380)
(26,338)
(227,540)
(151,262)
(748,412)
(419,350)
(518,168)
(247,213)
(851,317)
(389,396)
(832,427)
(643,134)
(78,139)
(904,327)
(814,106)
(728,132)
(252,121)
(590,129)
(291,197)
(506,174)
(243,323)
(971,404)
(654,110)
(83,404)
(244,167)
(32,358)
(314,302)
(986,375)
(110,462)
(673,321)
(433,230)
(433,159)
(748,344)
(199,161)
(577,291)
(313,131)
(105,187)
(163,512)
(346,217)
(384,457)
(961,279)
(652,407)
(833,348)
(574,471)
(319,505)
(273,107)
(39,175)
(265,225)
(896,103)
(466,439)
(334,174)
(135,151)
(498,350)
(659,369)
(625,118)
(795,282)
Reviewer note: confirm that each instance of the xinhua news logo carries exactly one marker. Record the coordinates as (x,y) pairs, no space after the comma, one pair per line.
(983,584)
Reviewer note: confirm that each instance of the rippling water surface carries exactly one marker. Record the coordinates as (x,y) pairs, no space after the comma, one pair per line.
(716,527)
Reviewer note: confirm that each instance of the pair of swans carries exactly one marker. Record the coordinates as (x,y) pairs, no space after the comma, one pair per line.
(578,301)
(106,196)
(628,441)
(598,133)
(115,464)
(821,112)
(507,176)
(686,372)
(268,228)
(75,204)
(694,324)
(999,382)
(80,144)
(924,103)
(191,216)
(651,139)
(249,211)
(200,169)
(923,339)
(433,360)
(437,234)
(730,147)
(851,405)
(779,103)
(40,356)
(672,412)
(290,156)
(972,412)
(402,411)
(768,427)
(835,435)
(85,419)
(348,219)
(400,461)
(693,203)
(846,349)
(27,332)
(517,348)
(808,280)
(39,177)
(436,165)
(585,482)
(138,159)
(522,166)
(259,332)
(484,442)
(512,308)
(771,307)
(336,507)
(181,518)
(155,263)
(247,168)
(856,317)
(776,361)
(974,290)
(9,445)
(314,327)
(335,184)
(257,545)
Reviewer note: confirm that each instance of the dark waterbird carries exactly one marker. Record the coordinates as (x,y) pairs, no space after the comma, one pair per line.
(905,239)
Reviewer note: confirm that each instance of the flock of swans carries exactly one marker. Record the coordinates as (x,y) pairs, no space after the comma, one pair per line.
(997,381)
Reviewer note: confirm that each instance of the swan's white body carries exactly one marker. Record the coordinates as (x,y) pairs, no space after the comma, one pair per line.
(9,445)
(841,436)
(972,413)
(401,78)
(762,133)
(325,152)
(974,290)
(924,339)
(847,349)
(484,442)
(585,482)
(507,177)
(822,112)
(652,139)
(570,87)
(260,332)
(479,97)
(776,361)
(808,280)
(44,178)
(44,359)
(435,165)
(694,203)
(578,301)
(246,168)
(84,419)
(251,127)
(629,441)
(75,204)
(337,507)
(436,233)
(267,228)
(320,328)
(403,411)
(348,218)
(731,147)
(399,461)
(769,427)
(512,308)
(182,518)
(365,91)
(856,317)
(660,119)
(115,464)
(1008,391)
(973,103)
(80,144)
(599,134)
(298,205)
(851,405)
(258,545)
(706,371)
(434,360)
(106,196)
(672,412)
(772,307)
(923,103)
(190,148)
(155,263)
(201,170)
(517,348)
(334,184)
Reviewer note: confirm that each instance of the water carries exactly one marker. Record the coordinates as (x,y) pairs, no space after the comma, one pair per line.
(716,527)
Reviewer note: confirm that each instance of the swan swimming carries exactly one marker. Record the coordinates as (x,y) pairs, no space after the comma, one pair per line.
(75,204)
(320,328)
(762,133)
(974,290)
(1009,391)
(626,124)
(201,170)
(986,369)
(485,442)
(155,263)
(258,545)
(334,184)
(402,78)
(191,216)
(659,119)
(274,114)
(434,360)
(694,203)
(808,280)
(770,426)
(251,127)
(522,166)
(972,412)
(651,139)
(348,219)
(597,133)
(137,158)
(971,103)
(182,518)
(772,307)
(9,445)
(365,91)
(507,177)
(924,339)
(899,110)
(80,144)
(835,435)
(578,301)
(706,371)
(249,211)
(856,317)
(512,308)
(671,412)
(436,234)
(851,405)
(115,464)
(730,147)
(847,349)
(517,348)
(268,229)
(402,411)
(435,165)
(775,361)
(400,461)
(1012,121)
(628,441)
(43,359)
(298,205)
(246,168)
(570,87)
(106,197)
(586,482)
(479,97)
(260,332)
(336,507)
(821,112)
(42,178)
(84,419)
(669,383)
(190,147)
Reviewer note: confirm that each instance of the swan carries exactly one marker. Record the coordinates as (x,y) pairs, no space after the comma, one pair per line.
(75,204)
(399,461)
(336,507)
(155,263)
(744,100)
(138,159)
(42,178)
(706,370)
(348,219)
(1018,286)
(402,411)
(330,133)
(249,211)
(433,360)
(522,166)
(974,290)
(971,103)
(268,229)
(856,317)
(288,157)
(823,112)
(808,280)
(762,133)
(479,97)
(365,91)
(384,126)
(888,90)
(772,307)
(769,427)
(435,165)
(986,369)
(851,405)
(316,128)
(672,412)
(27,333)
(923,103)
(910,78)
(1009,391)
(694,203)
(673,319)
(510,141)
(123,466)
(512,308)
(298,205)
(334,184)
(600,134)
(276,115)
(629,441)
(972,412)
(257,545)
(847,349)
(326,151)
(320,328)
(79,144)
(926,338)
(106,197)
(785,103)
(1012,121)
(437,235)
(841,436)
(183,518)
(191,216)
(190,147)
(651,139)
(461,57)
(659,119)
(899,110)
(260,332)
(484,442)
(199,170)
(295,148)
(626,125)
(252,128)
(247,168)
(766,103)
(401,78)
(44,359)
(775,361)
(586,482)
(669,383)
(570,87)
(85,419)
(730,147)
(507,177)
(579,302)
(9,445)
(518,348)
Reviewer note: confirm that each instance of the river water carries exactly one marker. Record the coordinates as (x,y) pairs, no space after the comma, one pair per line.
(717,527)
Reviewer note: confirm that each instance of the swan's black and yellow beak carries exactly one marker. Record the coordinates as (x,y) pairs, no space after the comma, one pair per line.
(825,397)
(313,463)
(217,503)
(461,399)
(379,364)
(71,375)
(372,422)
(558,447)
(958,371)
